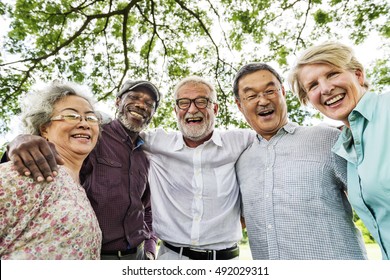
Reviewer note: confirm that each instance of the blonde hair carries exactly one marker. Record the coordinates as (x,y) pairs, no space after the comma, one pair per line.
(332,53)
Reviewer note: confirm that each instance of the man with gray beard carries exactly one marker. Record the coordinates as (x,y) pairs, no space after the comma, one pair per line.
(195,195)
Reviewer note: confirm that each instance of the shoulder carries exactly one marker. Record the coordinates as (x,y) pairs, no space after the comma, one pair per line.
(159,138)
(383,101)
(237,133)
(322,132)
(240,138)
(8,173)
(159,133)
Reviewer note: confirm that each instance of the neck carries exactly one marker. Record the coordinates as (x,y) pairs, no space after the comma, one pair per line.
(73,167)
(346,123)
(133,135)
(195,143)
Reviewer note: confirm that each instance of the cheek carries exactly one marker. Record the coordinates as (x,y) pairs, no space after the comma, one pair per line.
(313,98)
(179,115)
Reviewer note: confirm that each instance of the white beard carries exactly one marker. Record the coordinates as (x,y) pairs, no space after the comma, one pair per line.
(196,132)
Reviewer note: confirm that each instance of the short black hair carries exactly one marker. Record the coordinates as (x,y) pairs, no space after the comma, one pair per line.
(249,69)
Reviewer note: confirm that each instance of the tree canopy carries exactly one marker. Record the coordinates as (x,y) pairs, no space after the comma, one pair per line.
(102,43)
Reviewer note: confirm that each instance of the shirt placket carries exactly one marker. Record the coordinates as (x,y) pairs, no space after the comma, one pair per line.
(197,202)
(268,199)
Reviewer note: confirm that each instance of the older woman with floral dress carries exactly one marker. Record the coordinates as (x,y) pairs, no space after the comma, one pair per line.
(52,220)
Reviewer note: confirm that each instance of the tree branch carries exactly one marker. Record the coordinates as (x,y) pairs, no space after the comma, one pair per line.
(299,39)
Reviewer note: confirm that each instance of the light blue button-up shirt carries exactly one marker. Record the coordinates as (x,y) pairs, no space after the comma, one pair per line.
(366,147)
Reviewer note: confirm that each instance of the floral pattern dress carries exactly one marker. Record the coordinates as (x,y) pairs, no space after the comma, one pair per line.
(48,220)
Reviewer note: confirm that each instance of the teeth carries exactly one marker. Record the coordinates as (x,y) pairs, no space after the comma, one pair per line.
(334,99)
(194,119)
(265,112)
(81,136)
(136,115)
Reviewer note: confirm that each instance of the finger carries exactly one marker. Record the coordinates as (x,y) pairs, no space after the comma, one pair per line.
(19,165)
(40,165)
(52,157)
(25,164)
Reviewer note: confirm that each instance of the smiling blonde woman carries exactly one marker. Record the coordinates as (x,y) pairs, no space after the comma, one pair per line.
(330,77)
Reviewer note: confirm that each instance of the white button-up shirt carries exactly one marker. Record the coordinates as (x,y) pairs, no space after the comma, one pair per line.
(195,195)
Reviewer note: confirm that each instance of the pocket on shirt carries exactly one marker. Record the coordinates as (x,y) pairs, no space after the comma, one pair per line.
(226,179)
(303,180)
(108,172)
(109,162)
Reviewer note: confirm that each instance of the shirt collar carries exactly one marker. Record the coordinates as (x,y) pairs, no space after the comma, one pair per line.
(287,128)
(366,106)
(123,134)
(216,138)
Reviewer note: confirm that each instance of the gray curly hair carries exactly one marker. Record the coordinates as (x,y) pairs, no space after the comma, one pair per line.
(39,104)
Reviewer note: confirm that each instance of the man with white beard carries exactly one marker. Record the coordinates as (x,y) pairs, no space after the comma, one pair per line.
(195,195)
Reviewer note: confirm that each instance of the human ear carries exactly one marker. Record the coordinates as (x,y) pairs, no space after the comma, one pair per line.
(360,76)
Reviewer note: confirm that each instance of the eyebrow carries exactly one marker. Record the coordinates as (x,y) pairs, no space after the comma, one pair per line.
(271,83)
(74,110)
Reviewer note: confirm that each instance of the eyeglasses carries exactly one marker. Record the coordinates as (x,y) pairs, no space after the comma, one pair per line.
(200,102)
(268,94)
(76,118)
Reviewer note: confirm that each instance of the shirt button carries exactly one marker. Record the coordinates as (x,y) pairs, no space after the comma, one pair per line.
(357,142)
(269,226)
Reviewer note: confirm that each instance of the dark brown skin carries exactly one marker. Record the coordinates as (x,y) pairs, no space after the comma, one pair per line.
(34,156)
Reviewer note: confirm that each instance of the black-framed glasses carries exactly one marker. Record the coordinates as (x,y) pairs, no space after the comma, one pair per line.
(200,102)
(268,94)
(76,118)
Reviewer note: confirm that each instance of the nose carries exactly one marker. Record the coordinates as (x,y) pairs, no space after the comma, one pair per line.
(261,100)
(325,87)
(192,107)
(83,123)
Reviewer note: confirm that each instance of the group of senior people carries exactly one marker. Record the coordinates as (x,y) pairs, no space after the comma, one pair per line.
(293,186)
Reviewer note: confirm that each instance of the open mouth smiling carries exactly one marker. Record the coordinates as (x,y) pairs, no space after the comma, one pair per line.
(85,136)
(194,120)
(266,112)
(136,114)
(335,99)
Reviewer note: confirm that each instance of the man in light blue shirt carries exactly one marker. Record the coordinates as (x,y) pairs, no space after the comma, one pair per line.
(293,187)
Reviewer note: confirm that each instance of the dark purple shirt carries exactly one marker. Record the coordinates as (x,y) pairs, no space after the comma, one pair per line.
(115,177)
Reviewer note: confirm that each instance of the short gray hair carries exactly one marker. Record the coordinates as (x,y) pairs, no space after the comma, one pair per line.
(39,104)
(196,80)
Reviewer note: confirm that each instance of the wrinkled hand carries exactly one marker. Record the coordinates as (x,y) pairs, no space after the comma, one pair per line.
(33,155)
